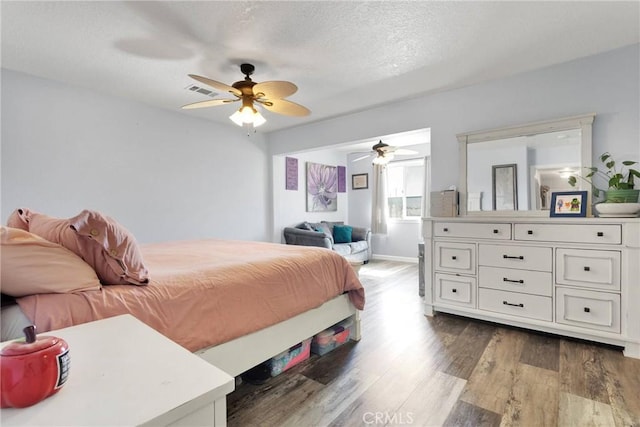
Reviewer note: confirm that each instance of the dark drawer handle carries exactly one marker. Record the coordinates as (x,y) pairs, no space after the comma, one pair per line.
(587,310)
(504,279)
(512,257)
(514,305)
(600,234)
(454,257)
(495,231)
(529,231)
(445,229)
(587,268)
(454,290)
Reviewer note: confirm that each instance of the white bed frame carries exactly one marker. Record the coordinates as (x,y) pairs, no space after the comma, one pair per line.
(242,354)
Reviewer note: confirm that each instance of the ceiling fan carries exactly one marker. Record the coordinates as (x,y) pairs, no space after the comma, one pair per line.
(383,153)
(269,95)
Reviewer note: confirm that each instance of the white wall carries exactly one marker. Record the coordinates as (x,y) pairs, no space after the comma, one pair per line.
(360,199)
(607,84)
(290,206)
(167,176)
(163,175)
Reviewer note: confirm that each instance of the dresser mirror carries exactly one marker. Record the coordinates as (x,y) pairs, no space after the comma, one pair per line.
(513,170)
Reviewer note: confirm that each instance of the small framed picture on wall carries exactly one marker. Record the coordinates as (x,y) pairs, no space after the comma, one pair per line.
(360,181)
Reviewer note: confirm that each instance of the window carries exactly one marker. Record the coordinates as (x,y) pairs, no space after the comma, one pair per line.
(405,189)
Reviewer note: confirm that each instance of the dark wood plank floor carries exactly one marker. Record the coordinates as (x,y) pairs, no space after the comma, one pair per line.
(409,369)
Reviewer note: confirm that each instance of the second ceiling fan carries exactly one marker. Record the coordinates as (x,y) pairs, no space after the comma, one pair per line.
(383,153)
(269,94)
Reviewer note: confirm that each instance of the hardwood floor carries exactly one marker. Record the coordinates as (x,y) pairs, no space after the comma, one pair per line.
(409,369)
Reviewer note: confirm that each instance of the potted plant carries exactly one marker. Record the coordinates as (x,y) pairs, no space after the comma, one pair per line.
(619,180)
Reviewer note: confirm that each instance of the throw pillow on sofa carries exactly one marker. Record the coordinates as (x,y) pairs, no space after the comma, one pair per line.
(342,233)
(323,228)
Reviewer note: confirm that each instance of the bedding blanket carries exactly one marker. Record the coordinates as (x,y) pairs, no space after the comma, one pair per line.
(205,292)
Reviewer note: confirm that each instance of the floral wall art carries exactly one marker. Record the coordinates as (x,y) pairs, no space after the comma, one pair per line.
(322,188)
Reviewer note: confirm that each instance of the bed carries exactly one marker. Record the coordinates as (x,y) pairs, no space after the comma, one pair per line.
(234,303)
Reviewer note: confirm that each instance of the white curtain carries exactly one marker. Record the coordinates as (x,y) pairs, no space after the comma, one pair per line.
(379,200)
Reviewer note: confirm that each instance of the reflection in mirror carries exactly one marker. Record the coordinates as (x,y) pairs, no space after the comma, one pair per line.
(521,173)
(516,169)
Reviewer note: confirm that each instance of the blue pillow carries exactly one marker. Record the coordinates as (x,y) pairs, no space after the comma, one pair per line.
(342,233)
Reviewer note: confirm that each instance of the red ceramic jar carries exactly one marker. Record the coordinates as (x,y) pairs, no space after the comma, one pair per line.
(33,369)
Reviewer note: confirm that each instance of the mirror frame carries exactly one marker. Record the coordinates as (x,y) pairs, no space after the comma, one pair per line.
(583,122)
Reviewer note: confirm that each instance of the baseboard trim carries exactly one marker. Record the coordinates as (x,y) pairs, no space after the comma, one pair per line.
(395,258)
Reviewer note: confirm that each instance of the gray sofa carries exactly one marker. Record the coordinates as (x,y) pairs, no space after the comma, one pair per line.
(322,234)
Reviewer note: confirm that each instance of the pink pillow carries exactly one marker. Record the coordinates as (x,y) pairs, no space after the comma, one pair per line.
(19,219)
(33,265)
(115,250)
(57,230)
(100,241)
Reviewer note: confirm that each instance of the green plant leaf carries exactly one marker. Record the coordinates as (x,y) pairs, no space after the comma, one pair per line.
(572,181)
(614,181)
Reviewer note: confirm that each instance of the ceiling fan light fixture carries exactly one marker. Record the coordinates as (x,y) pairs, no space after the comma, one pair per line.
(270,95)
(383,159)
(248,115)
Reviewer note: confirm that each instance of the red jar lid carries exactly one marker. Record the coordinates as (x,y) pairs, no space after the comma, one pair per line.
(29,345)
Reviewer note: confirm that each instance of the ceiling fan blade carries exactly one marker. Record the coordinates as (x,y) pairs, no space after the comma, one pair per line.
(216,85)
(401,151)
(274,89)
(361,158)
(210,103)
(282,106)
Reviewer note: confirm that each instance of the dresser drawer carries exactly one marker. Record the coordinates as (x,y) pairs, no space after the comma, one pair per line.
(589,269)
(522,257)
(588,309)
(574,233)
(495,231)
(455,257)
(516,304)
(513,280)
(457,290)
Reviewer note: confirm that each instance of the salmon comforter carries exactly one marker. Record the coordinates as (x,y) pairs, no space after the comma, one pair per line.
(206,292)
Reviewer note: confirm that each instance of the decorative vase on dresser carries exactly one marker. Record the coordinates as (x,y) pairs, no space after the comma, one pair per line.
(577,277)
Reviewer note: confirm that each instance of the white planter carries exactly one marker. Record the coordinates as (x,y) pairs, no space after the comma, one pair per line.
(618,210)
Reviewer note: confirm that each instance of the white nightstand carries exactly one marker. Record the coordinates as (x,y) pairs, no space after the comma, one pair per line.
(125,373)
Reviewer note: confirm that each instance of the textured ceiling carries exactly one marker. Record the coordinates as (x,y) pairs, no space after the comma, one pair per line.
(344,56)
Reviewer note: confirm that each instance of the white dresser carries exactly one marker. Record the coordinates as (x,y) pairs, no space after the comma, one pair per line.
(577,277)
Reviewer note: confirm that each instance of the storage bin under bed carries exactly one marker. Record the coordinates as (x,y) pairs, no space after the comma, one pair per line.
(332,337)
(289,358)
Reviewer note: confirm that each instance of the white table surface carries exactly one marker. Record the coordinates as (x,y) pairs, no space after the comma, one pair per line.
(124,373)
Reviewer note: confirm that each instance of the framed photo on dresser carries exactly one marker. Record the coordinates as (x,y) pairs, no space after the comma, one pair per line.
(569,204)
